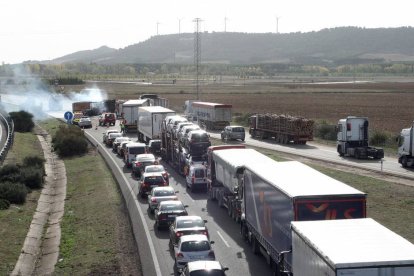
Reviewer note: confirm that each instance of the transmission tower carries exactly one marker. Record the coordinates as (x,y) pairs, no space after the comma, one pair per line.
(197,54)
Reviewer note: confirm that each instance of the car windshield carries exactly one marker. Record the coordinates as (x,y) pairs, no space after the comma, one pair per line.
(155,169)
(201,158)
(155,179)
(164,192)
(238,129)
(172,207)
(198,173)
(190,223)
(200,137)
(207,272)
(192,246)
(137,150)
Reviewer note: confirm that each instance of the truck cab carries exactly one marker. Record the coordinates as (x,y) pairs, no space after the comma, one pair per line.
(405,147)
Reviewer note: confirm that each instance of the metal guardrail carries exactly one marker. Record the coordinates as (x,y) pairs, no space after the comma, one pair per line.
(8,123)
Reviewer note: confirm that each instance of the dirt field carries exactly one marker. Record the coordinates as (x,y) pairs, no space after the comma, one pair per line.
(386,104)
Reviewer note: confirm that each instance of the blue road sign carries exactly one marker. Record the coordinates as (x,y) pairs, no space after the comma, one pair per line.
(68,115)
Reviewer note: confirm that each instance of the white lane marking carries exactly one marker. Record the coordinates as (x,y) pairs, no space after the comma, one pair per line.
(225,242)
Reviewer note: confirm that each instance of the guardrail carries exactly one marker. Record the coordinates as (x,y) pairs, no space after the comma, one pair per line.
(8,123)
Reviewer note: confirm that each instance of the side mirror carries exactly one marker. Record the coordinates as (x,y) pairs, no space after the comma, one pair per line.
(211,242)
(205,221)
(186,206)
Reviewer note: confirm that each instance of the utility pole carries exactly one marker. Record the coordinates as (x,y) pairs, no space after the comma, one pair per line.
(225,23)
(179,25)
(197,54)
(277,24)
(158,23)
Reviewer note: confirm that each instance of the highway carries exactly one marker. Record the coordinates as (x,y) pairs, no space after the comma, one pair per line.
(229,248)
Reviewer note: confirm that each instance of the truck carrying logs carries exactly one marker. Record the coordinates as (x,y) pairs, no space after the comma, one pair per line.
(283,128)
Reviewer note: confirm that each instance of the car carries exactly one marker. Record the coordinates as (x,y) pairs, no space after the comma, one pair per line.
(204,268)
(159,194)
(106,134)
(85,122)
(111,137)
(180,125)
(107,119)
(166,212)
(76,117)
(141,161)
(197,142)
(132,149)
(154,146)
(117,142)
(187,225)
(158,168)
(196,177)
(193,248)
(172,125)
(149,181)
(233,133)
(183,134)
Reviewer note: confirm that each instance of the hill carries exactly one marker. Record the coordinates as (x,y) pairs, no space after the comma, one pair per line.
(345,45)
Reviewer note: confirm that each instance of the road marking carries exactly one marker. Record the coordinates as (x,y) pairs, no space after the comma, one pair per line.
(225,242)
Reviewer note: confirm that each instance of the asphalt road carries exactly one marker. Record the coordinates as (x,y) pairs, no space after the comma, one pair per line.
(229,248)
(311,150)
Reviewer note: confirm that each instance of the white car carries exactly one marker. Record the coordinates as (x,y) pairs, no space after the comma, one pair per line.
(159,194)
(85,122)
(182,135)
(213,268)
(193,248)
(106,134)
(141,161)
(158,168)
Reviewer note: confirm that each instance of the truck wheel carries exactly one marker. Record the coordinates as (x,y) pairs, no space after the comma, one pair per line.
(357,154)
(230,210)
(255,246)
(404,162)
(339,150)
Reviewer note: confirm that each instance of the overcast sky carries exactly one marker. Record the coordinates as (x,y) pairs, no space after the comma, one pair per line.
(47,29)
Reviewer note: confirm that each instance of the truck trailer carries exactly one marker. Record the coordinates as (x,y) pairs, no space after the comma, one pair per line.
(283,128)
(81,106)
(352,139)
(225,173)
(406,147)
(275,194)
(357,247)
(212,115)
(150,120)
(130,113)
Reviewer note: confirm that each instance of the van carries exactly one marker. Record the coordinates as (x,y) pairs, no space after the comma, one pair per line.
(132,150)
(196,177)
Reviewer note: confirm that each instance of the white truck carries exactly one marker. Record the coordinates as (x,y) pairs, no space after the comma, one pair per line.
(212,115)
(352,139)
(130,113)
(406,147)
(225,173)
(357,247)
(149,122)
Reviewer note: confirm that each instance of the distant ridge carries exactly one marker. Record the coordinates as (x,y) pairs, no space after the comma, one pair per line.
(335,46)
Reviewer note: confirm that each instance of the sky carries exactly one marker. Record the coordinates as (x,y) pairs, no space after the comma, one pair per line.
(48,29)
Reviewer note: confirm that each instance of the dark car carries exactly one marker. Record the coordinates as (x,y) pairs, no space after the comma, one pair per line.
(149,181)
(204,268)
(233,133)
(154,146)
(187,225)
(197,142)
(107,119)
(167,211)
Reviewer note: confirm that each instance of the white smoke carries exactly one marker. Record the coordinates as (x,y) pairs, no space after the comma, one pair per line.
(23,91)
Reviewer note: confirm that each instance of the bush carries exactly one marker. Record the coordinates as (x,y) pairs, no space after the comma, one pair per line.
(378,138)
(35,161)
(32,177)
(13,192)
(4,204)
(325,131)
(23,121)
(10,172)
(69,141)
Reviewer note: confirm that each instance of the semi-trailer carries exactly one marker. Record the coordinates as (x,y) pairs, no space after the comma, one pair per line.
(150,120)
(352,139)
(225,173)
(283,128)
(130,113)
(406,147)
(357,247)
(212,115)
(275,194)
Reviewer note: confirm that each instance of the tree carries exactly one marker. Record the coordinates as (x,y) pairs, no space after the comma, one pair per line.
(23,121)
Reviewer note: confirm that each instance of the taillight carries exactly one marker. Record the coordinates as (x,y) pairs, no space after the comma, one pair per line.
(179,255)
(144,184)
(178,234)
(165,175)
(211,254)
(138,163)
(204,233)
(153,200)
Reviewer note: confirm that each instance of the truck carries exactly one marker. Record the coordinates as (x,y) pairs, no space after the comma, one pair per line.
(130,113)
(149,121)
(212,115)
(357,247)
(225,170)
(155,100)
(406,147)
(81,106)
(283,128)
(352,139)
(275,194)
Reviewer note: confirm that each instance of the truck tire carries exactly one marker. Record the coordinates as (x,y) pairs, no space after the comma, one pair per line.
(255,246)
(339,150)
(357,154)
(404,162)
(229,209)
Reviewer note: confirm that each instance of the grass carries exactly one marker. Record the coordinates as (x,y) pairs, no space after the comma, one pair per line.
(16,220)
